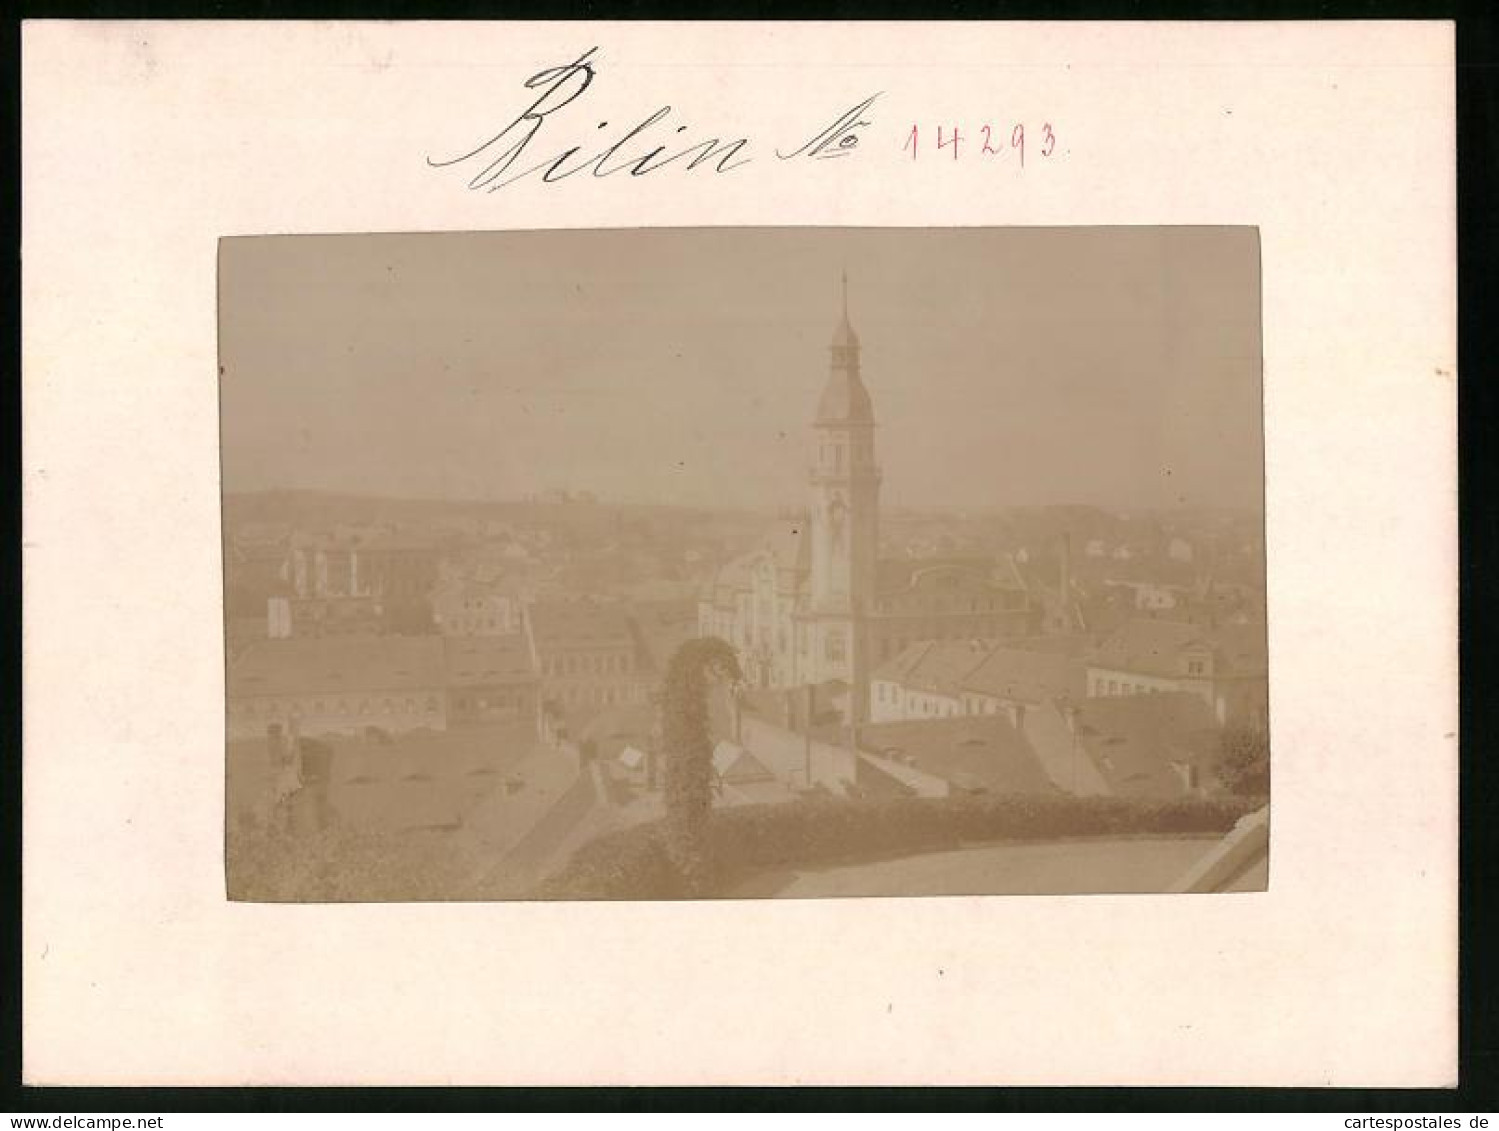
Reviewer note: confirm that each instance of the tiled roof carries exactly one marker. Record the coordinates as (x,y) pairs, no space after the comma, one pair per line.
(935,665)
(579,622)
(420,779)
(487,659)
(900,665)
(1025,676)
(1134,739)
(1077,645)
(895,575)
(976,752)
(946,666)
(873,783)
(1242,647)
(1029,669)
(1160,647)
(1102,616)
(330,664)
(1153,647)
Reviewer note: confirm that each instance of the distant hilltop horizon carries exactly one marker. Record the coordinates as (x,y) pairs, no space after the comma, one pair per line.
(329,496)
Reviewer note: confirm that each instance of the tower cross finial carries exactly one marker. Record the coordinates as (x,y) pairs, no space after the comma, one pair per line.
(845,294)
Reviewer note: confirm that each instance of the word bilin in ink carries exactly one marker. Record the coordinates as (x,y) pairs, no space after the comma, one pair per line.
(559,87)
(499,159)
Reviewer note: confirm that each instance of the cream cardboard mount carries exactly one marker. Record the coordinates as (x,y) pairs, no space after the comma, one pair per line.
(146,144)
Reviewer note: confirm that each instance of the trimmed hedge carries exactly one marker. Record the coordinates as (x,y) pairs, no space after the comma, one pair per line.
(742,840)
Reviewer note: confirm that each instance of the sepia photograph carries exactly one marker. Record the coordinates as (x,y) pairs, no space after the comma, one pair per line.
(743,563)
(891,573)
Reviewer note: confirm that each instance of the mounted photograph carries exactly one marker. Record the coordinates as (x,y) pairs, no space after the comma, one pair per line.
(741,563)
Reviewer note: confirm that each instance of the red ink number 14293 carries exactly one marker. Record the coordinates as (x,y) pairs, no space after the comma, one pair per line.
(986,143)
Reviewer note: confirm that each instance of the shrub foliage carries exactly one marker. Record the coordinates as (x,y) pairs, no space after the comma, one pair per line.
(688,747)
(637,863)
(1244,762)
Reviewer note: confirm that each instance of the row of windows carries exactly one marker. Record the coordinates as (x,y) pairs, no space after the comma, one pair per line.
(972,704)
(921,605)
(484,702)
(482,604)
(474,624)
(895,645)
(832,454)
(1102,686)
(941,708)
(914,704)
(387,705)
(587,665)
(598,696)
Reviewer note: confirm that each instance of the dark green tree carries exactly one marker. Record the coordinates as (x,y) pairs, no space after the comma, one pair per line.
(688,750)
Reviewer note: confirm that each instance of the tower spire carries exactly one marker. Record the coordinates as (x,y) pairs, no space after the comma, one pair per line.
(845,344)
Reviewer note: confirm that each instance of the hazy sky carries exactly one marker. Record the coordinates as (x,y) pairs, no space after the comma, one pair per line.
(1116,366)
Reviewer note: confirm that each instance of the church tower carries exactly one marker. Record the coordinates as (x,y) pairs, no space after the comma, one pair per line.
(845,504)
